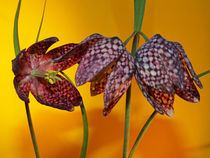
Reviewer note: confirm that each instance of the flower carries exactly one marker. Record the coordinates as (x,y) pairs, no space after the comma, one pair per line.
(37,71)
(163,69)
(109,67)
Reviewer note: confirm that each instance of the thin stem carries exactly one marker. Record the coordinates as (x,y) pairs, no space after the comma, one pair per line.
(203,73)
(85,132)
(144,36)
(67,77)
(40,26)
(143,130)
(15,30)
(32,131)
(17,50)
(146,125)
(85,124)
(128,103)
(127,123)
(129,38)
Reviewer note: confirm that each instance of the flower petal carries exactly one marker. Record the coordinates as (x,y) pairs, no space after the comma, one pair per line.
(22,86)
(74,55)
(57,52)
(118,81)
(97,87)
(190,92)
(187,63)
(21,64)
(98,82)
(41,47)
(162,102)
(98,57)
(158,65)
(61,95)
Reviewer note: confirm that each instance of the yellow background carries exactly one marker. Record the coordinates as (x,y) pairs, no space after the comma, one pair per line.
(59,133)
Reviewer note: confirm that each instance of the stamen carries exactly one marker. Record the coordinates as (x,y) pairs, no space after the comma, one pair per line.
(50,76)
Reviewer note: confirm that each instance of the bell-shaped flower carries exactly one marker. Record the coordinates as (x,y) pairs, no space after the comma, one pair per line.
(109,67)
(163,69)
(37,71)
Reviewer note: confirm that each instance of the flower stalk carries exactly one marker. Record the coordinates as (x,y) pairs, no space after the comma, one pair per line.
(17,50)
(141,133)
(85,124)
(139,6)
(32,131)
(148,122)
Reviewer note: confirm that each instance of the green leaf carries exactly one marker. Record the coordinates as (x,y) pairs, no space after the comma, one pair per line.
(40,26)
(139,6)
(15,31)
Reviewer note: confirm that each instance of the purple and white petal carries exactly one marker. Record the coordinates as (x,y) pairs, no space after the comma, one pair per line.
(188,64)
(118,81)
(97,58)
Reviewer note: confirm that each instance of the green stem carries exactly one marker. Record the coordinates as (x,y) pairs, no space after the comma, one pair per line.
(40,26)
(144,36)
(127,123)
(85,132)
(143,130)
(67,77)
(203,73)
(15,30)
(32,131)
(17,50)
(142,133)
(139,6)
(85,124)
(128,103)
(129,38)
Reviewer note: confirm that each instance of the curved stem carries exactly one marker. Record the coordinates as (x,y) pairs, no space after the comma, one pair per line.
(143,130)
(32,131)
(40,26)
(203,73)
(127,123)
(144,36)
(128,102)
(129,38)
(15,30)
(85,132)
(85,124)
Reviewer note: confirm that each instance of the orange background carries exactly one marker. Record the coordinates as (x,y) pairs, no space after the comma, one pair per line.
(59,133)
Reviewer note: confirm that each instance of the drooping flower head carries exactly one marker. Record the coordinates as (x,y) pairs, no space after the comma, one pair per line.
(109,67)
(163,69)
(37,71)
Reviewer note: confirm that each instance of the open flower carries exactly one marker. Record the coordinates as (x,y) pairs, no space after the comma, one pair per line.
(163,69)
(37,71)
(109,67)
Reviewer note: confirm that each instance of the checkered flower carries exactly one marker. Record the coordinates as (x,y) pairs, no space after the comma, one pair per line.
(109,67)
(163,69)
(37,71)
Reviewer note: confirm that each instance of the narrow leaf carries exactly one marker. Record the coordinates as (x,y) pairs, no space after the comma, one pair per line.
(15,31)
(139,6)
(40,26)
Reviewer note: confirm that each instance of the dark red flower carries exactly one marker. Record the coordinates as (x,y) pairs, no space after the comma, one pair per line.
(109,67)
(163,69)
(37,71)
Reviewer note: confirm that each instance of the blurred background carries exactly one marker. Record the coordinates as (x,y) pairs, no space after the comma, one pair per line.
(59,133)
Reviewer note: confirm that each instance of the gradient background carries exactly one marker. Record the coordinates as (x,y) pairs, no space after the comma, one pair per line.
(59,133)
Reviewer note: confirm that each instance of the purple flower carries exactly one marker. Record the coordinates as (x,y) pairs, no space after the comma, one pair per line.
(37,71)
(109,67)
(163,69)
